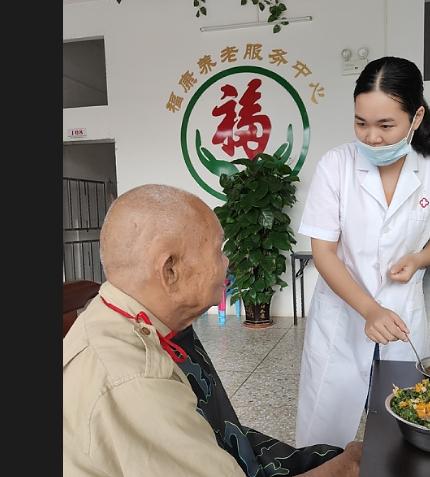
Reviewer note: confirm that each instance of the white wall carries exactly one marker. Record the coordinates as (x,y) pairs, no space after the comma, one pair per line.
(149,45)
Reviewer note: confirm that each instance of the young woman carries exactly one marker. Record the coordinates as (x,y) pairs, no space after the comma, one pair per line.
(368,216)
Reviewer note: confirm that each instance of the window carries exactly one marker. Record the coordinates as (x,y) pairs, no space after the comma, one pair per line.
(84,73)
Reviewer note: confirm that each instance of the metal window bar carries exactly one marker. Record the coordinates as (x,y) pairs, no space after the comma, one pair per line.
(84,204)
(81,260)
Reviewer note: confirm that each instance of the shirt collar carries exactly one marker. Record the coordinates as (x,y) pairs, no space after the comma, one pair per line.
(117,297)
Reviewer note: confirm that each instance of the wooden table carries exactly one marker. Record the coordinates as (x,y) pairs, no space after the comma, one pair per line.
(385,452)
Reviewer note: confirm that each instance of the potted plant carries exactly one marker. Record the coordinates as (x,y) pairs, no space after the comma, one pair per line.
(257,230)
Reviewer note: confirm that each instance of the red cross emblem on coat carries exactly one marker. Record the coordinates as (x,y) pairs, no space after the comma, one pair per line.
(424,202)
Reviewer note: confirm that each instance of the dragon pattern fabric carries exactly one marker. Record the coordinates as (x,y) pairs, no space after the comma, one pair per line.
(257,454)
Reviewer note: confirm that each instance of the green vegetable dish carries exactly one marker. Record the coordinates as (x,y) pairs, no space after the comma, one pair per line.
(413,404)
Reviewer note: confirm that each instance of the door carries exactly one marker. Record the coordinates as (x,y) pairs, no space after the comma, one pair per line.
(89,187)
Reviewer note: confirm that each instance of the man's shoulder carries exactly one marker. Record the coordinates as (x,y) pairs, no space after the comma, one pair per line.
(118,348)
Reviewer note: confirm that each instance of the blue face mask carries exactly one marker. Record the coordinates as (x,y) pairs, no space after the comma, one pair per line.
(386,155)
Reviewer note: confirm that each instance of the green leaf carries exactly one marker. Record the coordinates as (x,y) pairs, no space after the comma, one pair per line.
(252,216)
(234,297)
(229,219)
(248,243)
(196,3)
(270,280)
(203,10)
(265,297)
(222,213)
(250,295)
(244,233)
(261,6)
(281,259)
(274,183)
(243,162)
(255,2)
(267,243)
(264,202)
(255,257)
(283,227)
(281,241)
(229,246)
(268,263)
(277,28)
(277,201)
(281,217)
(259,285)
(198,13)
(243,2)
(231,230)
(246,283)
(253,185)
(255,196)
(243,268)
(266,218)
(256,240)
(265,157)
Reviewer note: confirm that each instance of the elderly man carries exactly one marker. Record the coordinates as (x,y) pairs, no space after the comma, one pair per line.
(141,396)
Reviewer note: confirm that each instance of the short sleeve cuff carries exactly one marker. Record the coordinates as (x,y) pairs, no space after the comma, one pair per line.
(317,233)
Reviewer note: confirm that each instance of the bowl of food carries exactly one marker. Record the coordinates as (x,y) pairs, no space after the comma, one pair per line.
(411,409)
(425,370)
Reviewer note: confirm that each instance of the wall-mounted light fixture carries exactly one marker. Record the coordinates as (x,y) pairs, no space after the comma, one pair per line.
(353,65)
(235,26)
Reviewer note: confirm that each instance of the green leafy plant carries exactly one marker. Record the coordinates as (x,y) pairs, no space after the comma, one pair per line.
(277,9)
(256,225)
(201,9)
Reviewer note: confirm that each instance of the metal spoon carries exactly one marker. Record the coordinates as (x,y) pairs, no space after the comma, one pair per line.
(416,354)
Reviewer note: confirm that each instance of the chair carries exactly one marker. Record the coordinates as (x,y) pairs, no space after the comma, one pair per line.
(75,296)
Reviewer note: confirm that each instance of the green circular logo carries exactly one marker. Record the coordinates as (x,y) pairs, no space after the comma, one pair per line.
(224,166)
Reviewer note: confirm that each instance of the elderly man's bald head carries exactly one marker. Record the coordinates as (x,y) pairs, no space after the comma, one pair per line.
(144,219)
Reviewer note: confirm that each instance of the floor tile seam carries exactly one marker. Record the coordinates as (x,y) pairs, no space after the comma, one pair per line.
(259,364)
(291,409)
(276,374)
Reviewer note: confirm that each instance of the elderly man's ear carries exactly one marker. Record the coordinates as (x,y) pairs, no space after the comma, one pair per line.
(169,271)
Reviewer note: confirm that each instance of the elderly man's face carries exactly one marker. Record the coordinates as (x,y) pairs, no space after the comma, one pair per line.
(203,281)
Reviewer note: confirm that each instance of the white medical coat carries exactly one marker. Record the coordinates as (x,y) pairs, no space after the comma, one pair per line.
(346,203)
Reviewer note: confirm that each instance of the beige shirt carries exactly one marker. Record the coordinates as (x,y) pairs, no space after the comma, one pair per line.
(128,410)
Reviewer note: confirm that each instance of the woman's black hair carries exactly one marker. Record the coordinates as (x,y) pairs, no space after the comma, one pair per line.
(402,80)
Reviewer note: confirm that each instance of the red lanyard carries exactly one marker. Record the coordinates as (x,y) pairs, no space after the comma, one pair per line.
(177,353)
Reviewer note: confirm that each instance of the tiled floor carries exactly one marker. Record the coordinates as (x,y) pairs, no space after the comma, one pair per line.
(259,369)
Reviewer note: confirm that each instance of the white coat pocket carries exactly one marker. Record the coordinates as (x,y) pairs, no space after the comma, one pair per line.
(323,317)
(418,229)
(415,300)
